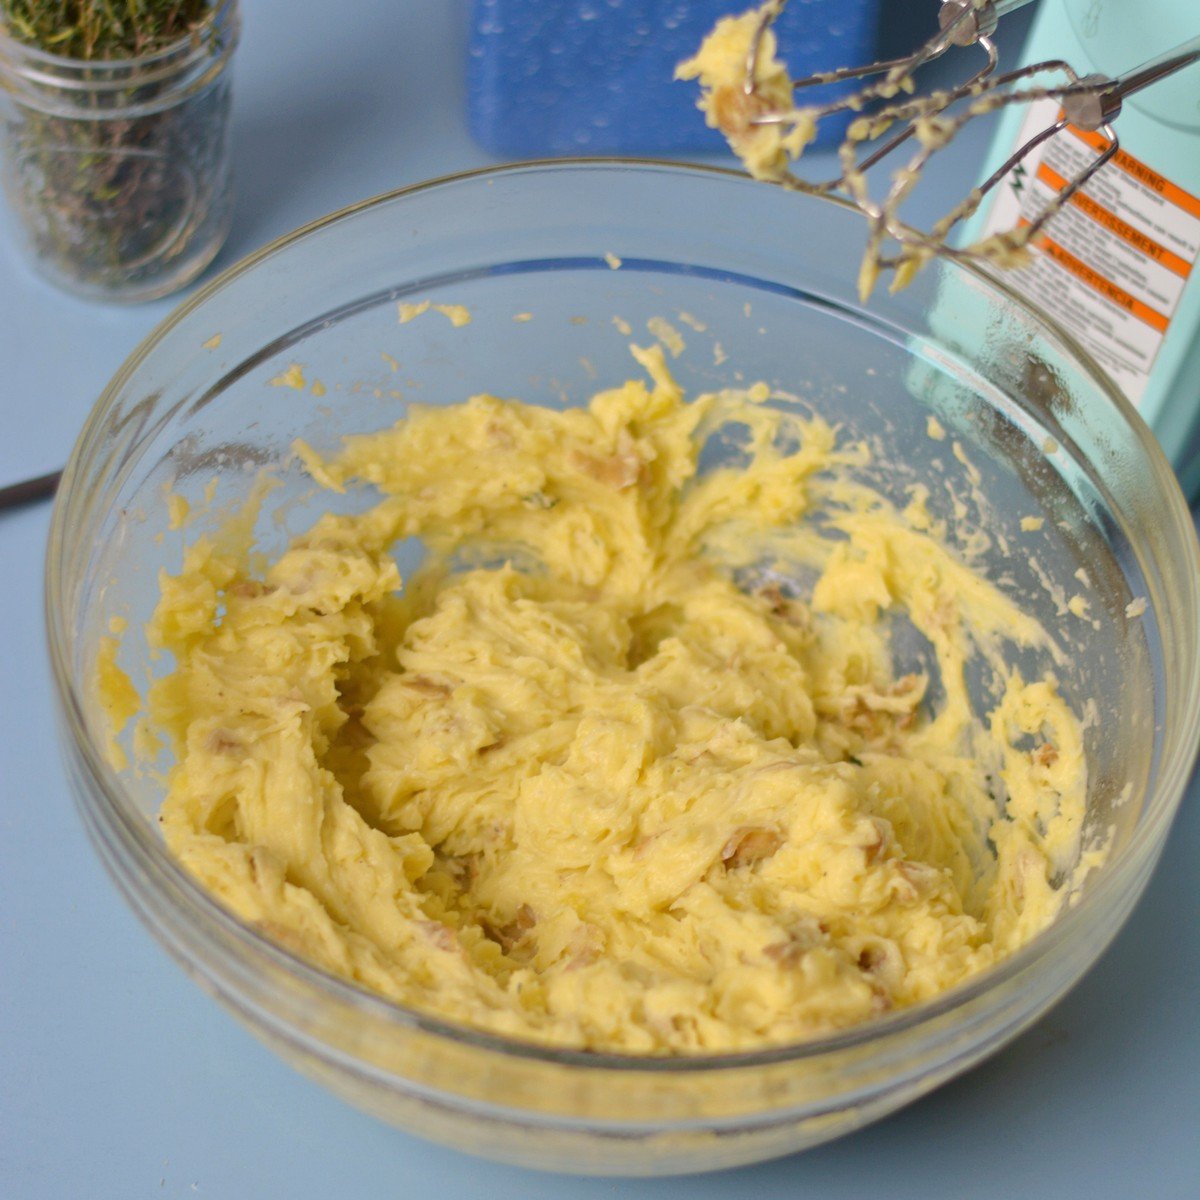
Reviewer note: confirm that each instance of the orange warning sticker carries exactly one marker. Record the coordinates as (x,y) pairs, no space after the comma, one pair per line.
(1148,246)
(1112,265)
(1142,173)
(1105,287)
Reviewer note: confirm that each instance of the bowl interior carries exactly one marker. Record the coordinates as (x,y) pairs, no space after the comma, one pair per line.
(307,342)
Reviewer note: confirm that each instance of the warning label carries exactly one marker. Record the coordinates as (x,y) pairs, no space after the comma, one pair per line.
(1112,265)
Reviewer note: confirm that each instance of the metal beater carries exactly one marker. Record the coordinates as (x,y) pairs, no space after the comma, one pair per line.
(1090,103)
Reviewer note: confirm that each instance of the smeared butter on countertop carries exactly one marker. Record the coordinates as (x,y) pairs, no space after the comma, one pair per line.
(569,781)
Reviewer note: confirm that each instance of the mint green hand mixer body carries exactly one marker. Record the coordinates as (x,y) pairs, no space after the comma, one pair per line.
(1151,187)
(1089,202)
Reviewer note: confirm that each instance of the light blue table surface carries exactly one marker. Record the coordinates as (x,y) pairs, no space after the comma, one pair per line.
(120,1079)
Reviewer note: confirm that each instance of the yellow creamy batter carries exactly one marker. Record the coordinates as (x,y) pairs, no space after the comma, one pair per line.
(571,783)
(721,65)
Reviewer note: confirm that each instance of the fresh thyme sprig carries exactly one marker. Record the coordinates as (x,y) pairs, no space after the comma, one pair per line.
(102,29)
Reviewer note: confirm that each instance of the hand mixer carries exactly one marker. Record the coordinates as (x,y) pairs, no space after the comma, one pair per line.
(1090,103)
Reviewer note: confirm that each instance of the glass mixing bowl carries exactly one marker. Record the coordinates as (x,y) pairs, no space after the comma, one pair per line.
(760,282)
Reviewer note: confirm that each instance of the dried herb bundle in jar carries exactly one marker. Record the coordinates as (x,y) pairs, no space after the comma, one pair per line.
(103,29)
(115,138)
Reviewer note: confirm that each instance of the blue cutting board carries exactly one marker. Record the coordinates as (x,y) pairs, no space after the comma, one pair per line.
(551,77)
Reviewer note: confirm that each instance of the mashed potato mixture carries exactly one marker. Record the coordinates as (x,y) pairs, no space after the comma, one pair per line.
(602,773)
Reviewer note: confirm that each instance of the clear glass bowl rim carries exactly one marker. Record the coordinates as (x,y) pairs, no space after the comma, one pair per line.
(1144,843)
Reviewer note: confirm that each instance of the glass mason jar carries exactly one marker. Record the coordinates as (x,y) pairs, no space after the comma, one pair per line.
(118,170)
